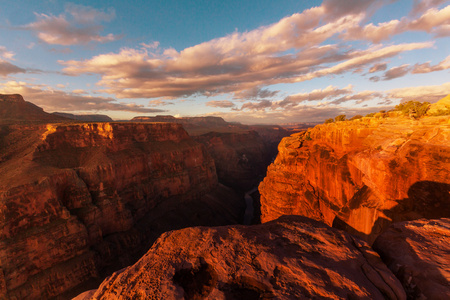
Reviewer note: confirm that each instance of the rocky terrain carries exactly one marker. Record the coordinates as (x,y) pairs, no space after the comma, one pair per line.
(362,175)
(80,200)
(291,258)
(418,252)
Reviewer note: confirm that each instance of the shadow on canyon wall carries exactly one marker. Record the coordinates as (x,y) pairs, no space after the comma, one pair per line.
(426,199)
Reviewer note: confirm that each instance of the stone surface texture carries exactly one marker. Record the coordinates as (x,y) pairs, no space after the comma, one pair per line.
(418,252)
(290,258)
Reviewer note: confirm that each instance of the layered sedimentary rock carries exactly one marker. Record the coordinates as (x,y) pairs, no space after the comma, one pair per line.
(241,152)
(78,199)
(362,175)
(291,258)
(418,252)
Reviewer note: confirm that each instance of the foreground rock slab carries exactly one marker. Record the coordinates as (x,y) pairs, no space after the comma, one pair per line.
(418,252)
(292,257)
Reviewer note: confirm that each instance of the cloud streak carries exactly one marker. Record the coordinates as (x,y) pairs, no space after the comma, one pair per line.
(56,100)
(220,103)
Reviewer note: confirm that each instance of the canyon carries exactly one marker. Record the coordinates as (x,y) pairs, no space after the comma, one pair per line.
(150,209)
(80,200)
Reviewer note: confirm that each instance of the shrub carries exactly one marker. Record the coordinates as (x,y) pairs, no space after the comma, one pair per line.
(308,136)
(340,118)
(356,117)
(370,115)
(414,109)
(331,120)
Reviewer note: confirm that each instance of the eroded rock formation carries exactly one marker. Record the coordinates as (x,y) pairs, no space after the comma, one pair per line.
(362,175)
(79,200)
(291,258)
(418,252)
(241,152)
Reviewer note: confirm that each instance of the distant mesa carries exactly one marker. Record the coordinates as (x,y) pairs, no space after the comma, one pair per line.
(14,109)
(208,121)
(86,118)
(11,98)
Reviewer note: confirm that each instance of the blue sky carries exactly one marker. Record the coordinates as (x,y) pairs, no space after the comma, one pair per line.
(247,61)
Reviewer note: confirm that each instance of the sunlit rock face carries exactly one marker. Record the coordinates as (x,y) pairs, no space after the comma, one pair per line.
(291,258)
(76,200)
(362,175)
(418,252)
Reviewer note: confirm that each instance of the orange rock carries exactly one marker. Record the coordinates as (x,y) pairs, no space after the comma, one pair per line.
(291,258)
(418,252)
(362,175)
(79,200)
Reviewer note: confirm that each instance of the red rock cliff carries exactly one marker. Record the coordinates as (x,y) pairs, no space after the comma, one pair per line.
(75,199)
(362,175)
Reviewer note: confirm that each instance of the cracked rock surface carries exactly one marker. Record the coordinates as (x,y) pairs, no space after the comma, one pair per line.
(292,257)
(418,252)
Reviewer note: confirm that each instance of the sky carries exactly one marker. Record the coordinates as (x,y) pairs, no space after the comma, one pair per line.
(254,62)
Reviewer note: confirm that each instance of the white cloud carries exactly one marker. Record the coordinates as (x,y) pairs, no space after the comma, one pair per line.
(78,25)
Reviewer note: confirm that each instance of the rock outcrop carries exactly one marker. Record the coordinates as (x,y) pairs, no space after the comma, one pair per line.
(418,252)
(78,201)
(362,175)
(291,258)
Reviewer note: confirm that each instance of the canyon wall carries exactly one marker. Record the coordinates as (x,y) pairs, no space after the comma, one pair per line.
(241,158)
(241,152)
(361,175)
(80,200)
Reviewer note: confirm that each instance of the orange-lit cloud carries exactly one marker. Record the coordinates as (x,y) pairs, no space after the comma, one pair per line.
(220,103)
(243,64)
(402,70)
(427,68)
(78,25)
(7,68)
(378,67)
(333,96)
(56,100)
(434,21)
(431,93)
